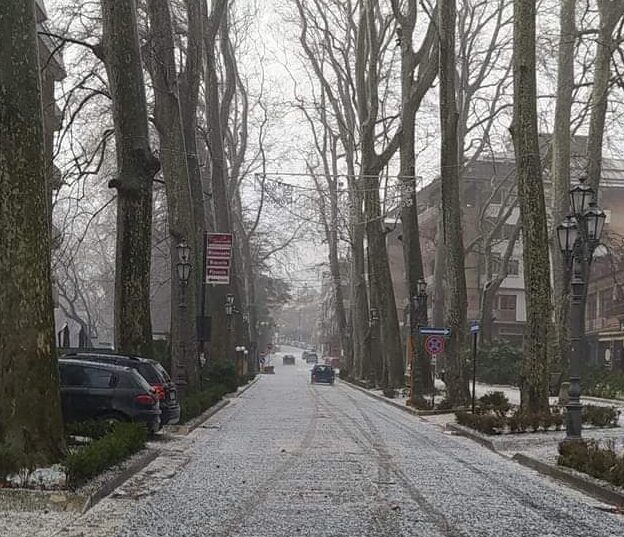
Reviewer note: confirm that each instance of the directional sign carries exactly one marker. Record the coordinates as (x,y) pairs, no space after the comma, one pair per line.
(475,327)
(435,345)
(218,258)
(428,331)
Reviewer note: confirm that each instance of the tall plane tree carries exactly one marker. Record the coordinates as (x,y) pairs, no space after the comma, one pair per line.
(30,415)
(457,387)
(168,120)
(534,381)
(136,168)
(418,71)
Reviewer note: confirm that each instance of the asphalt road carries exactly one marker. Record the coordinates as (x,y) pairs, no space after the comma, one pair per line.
(292,459)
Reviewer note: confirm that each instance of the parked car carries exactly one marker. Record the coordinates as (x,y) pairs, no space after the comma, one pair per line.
(288,359)
(100,391)
(311,358)
(322,373)
(153,372)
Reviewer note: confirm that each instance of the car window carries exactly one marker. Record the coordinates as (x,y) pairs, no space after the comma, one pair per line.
(162,371)
(87,377)
(99,378)
(73,375)
(150,373)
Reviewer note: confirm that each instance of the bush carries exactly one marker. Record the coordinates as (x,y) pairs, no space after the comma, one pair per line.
(485,423)
(197,402)
(499,363)
(599,382)
(124,440)
(223,374)
(600,416)
(91,428)
(496,402)
(593,459)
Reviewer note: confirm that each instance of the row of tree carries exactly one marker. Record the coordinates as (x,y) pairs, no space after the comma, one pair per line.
(162,80)
(370,69)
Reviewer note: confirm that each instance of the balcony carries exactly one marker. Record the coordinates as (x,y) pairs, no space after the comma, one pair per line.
(616,310)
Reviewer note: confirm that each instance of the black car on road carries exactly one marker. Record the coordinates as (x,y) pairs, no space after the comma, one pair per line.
(98,391)
(322,373)
(152,371)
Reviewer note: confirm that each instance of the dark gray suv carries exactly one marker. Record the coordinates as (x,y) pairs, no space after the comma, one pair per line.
(91,390)
(154,373)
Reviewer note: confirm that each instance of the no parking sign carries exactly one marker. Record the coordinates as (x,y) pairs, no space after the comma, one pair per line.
(435,345)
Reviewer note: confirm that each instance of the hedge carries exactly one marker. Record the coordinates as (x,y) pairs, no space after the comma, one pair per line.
(121,442)
(590,457)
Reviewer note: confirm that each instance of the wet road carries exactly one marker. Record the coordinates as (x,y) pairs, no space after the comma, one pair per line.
(292,459)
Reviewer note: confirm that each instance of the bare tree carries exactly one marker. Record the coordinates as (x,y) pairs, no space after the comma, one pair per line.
(534,381)
(31,413)
(424,60)
(137,167)
(456,382)
(561,174)
(173,155)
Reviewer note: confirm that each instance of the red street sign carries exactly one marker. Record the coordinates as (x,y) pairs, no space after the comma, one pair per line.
(218,258)
(220,238)
(435,345)
(218,262)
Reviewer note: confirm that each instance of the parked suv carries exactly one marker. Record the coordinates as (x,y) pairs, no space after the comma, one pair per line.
(91,390)
(154,373)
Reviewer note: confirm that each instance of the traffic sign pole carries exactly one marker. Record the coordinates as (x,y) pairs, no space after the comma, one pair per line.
(474,329)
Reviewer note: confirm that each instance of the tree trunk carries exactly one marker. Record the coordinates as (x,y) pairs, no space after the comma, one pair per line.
(561,178)
(534,381)
(181,223)
(189,98)
(136,168)
(221,342)
(455,379)
(439,275)
(359,293)
(421,371)
(30,414)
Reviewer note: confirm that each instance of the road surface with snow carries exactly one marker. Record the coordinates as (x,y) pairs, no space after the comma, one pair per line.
(292,459)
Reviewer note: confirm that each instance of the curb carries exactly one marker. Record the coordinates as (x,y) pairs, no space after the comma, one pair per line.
(208,413)
(404,408)
(594,490)
(586,486)
(70,501)
(472,435)
(111,485)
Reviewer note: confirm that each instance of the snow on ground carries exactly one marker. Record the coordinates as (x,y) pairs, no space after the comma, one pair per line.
(289,458)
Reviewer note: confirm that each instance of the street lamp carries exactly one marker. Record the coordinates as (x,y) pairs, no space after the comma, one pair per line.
(374,316)
(229,309)
(578,236)
(418,318)
(183,268)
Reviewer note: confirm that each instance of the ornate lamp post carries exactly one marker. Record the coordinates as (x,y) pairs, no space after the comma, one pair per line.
(578,236)
(229,310)
(418,318)
(183,267)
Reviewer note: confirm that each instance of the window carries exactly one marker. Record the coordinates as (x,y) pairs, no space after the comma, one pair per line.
(591,310)
(507,302)
(605,298)
(506,310)
(514,267)
(99,378)
(86,377)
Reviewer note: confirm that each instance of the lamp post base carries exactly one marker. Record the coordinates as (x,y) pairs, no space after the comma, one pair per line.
(574,421)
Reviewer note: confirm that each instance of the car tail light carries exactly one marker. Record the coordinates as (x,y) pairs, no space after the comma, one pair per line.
(145,399)
(160,391)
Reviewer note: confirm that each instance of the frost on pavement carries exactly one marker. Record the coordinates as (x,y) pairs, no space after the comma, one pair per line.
(289,459)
